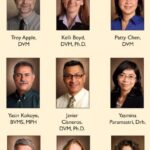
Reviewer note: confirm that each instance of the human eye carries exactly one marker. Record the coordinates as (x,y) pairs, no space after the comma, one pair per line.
(17,75)
(131,77)
(27,74)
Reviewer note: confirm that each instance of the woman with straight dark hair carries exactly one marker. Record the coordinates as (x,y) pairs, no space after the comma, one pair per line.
(127,92)
(74,15)
(129,15)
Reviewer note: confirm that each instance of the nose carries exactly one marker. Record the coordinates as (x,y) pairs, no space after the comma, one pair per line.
(22,77)
(25,1)
(71,1)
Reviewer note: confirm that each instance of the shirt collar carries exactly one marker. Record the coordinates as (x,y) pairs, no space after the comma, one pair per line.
(65,22)
(78,96)
(24,96)
(135,19)
(29,18)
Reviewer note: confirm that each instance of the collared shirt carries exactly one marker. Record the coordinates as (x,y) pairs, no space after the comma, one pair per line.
(32,22)
(28,100)
(65,22)
(81,99)
(62,24)
(135,23)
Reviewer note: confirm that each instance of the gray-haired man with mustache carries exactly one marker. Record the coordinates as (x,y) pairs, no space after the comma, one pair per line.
(24,96)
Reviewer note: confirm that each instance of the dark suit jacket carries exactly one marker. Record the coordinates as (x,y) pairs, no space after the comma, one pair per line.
(132,101)
(77,26)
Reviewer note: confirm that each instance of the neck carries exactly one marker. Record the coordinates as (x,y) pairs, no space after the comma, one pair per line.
(24,15)
(127,17)
(124,93)
(70,18)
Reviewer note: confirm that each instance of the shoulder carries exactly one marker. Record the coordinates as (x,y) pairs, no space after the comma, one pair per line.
(115,24)
(13,19)
(62,97)
(34,93)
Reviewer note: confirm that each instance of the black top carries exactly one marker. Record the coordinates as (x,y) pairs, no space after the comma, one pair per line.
(27,100)
(132,101)
(77,26)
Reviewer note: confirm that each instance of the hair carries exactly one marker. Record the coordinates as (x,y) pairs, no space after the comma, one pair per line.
(138,10)
(25,142)
(73,63)
(73,141)
(132,144)
(127,64)
(83,12)
(22,64)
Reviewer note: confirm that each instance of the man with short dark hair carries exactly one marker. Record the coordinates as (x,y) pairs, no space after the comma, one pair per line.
(24,96)
(23,144)
(27,19)
(74,78)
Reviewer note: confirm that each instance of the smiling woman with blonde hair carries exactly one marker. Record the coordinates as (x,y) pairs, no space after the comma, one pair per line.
(74,15)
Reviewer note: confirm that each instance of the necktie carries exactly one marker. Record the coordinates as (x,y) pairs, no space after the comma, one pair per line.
(21,25)
(71,103)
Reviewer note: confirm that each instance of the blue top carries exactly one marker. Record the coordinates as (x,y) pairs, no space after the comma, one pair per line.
(135,23)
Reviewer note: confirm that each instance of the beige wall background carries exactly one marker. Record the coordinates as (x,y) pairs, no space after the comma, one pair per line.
(62,141)
(12,10)
(138,139)
(12,139)
(60,86)
(11,62)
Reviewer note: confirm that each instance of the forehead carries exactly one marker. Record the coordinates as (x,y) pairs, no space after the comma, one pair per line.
(23,69)
(129,71)
(23,0)
(73,69)
(23,147)
(126,148)
(75,147)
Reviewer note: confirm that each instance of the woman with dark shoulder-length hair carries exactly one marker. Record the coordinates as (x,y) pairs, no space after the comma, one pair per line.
(127,145)
(74,15)
(129,15)
(74,144)
(127,92)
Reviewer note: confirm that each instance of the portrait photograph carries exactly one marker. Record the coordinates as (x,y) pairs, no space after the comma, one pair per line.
(72,15)
(127,83)
(23,83)
(23,15)
(72,82)
(126,142)
(127,15)
(73,142)
(21,142)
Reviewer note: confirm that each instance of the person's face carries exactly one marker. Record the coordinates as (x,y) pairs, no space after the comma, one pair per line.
(74,79)
(72,6)
(23,147)
(25,6)
(127,80)
(128,7)
(127,148)
(23,79)
(75,147)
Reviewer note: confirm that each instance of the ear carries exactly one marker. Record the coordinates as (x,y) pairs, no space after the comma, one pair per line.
(33,77)
(82,3)
(84,78)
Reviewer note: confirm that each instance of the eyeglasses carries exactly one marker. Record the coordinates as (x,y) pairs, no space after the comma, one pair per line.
(130,77)
(71,76)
